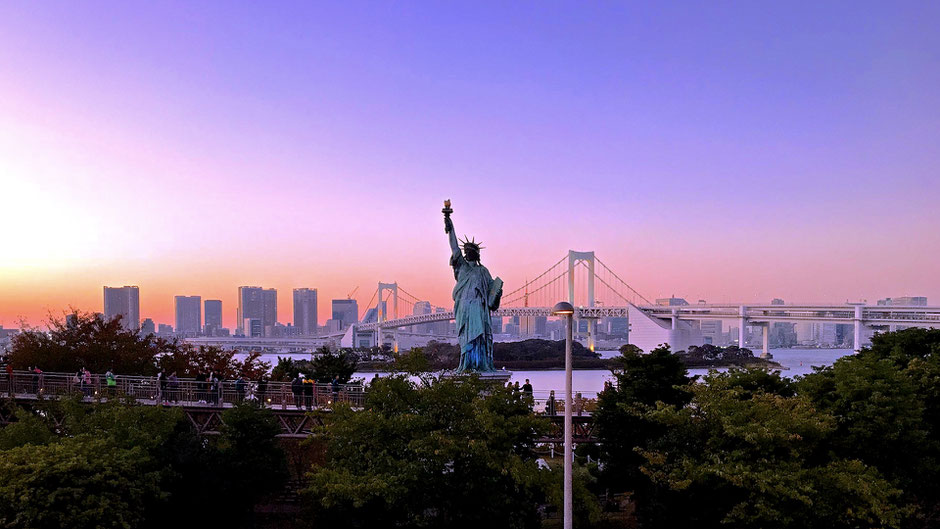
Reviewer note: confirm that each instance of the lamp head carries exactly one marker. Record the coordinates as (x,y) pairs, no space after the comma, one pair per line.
(563,308)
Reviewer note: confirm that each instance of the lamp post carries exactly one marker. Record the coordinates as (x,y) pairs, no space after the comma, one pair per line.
(565,309)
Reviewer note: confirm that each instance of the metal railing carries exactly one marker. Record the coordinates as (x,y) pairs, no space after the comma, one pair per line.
(192,393)
(182,392)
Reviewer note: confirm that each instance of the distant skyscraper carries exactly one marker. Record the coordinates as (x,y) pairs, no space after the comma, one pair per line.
(269,317)
(213,310)
(346,312)
(147,327)
(497,323)
(421,308)
(915,301)
(777,301)
(540,325)
(671,302)
(372,315)
(305,311)
(124,301)
(188,314)
(259,304)
(163,328)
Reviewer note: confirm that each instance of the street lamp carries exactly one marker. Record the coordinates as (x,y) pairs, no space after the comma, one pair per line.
(563,308)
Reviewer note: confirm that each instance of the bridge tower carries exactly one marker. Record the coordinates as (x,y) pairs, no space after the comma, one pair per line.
(588,258)
(381,316)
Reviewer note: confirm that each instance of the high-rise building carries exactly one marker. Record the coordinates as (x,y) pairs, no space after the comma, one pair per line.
(269,316)
(164,329)
(909,301)
(497,323)
(213,315)
(188,315)
(305,311)
(123,301)
(671,302)
(147,327)
(345,311)
(257,303)
(711,332)
(421,308)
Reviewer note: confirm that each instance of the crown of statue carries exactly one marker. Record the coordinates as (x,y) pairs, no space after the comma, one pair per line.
(471,244)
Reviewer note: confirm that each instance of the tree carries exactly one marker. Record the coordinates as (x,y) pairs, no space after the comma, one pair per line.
(287,369)
(87,340)
(886,401)
(78,482)
(236,469)
(442,455)
(642,381)
(188,361)
(328,365)
(748,458)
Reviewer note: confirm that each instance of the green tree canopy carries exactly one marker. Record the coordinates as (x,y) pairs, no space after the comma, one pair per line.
(741,457)
(442,455)
(642,380)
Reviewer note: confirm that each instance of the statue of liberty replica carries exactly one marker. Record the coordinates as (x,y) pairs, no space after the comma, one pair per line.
(475,295)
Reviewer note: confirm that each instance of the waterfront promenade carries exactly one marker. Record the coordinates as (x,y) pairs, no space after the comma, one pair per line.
(298,414)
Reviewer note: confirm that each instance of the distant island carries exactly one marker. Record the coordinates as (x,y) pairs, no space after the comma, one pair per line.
(535,354)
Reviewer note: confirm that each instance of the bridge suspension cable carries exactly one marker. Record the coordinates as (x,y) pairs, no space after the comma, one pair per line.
(622,282)
(540,276)
(365,308)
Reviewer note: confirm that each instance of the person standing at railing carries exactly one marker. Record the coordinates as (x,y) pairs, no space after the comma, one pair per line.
(335,387)
(161,387)
(201,387)
(261,389)
(550,406)
(37,379)
(527,392)
(110,383)
(215,389)
(173,383)
(310,386)
(239,389)
(297,388)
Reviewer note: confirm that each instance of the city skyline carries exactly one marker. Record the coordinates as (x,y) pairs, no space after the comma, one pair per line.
(728,154)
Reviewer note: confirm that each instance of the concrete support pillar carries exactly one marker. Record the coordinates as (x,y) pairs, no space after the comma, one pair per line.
(675,319)
(591,330)
(765,353)
(857,343)
(742,326)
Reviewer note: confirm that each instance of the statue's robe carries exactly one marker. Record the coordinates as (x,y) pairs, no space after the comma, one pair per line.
(472,312)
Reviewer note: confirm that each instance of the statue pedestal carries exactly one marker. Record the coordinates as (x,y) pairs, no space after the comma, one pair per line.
(491,377)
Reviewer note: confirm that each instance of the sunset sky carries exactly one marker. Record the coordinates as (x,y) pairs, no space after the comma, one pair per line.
(724,151)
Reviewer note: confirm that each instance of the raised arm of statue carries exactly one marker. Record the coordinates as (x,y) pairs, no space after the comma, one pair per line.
(452,235)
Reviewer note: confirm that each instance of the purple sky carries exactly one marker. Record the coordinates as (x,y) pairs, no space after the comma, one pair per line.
(732,152)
